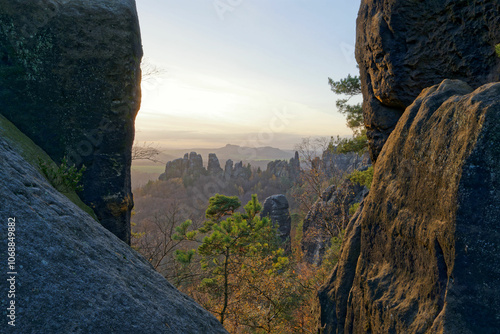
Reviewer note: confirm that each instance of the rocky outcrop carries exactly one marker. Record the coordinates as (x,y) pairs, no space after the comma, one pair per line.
(403,47)
(339,163)
(69,79)
(195,164)
(276,208)
(328,216)
(241,172)
(71,275)
(228,169)
(284,169)
(213,167)
(191,165)
(422,254)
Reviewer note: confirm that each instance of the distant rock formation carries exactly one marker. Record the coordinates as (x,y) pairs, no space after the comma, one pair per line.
(74,276)
(403,47)
(70,81)
(241,172)
(213,167)
(191,164)
(329,215)
(421,255)
(228,169)
(282,168)
(276,208)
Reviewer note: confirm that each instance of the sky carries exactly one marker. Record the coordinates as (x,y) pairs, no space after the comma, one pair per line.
(243,72)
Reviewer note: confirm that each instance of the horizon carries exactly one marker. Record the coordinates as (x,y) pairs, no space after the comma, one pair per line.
(255,75)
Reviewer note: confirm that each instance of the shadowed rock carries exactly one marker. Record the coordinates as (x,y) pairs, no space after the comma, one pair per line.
(69,79)
(421,255)
(214,167)
(404,46)
(276,208)
(74,276)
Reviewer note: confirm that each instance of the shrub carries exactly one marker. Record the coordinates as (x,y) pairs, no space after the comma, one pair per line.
(363,178)
(353,208)
(63,177)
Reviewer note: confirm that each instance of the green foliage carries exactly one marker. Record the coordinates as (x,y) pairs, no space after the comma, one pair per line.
(244,267)
(363,178)
(497,50)
(353,208)
(350,86)
(220,206)
(63,177)
(357,144)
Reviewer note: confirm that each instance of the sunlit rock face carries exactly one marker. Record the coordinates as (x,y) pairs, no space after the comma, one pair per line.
(421,255)
(403,47)
(70,81)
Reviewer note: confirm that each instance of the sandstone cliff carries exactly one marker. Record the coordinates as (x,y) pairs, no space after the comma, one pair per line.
(74,276)
(403,47)
(70,81)
(422,254)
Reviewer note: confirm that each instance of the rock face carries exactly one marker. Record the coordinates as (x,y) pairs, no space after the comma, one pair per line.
(74,276)
(195,164)
(276,208)
(213,167)
(228,169)
(335,163)
(191,165)
(285,169)
(70,81)
(422,254)
(403,47)
(328,216)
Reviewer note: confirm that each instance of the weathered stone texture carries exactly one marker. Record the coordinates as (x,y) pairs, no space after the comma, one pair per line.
(404,46)
(69,79)
(423,253)
(74,276)
(277,209)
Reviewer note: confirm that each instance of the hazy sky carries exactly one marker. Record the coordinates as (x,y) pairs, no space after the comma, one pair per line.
(244,72)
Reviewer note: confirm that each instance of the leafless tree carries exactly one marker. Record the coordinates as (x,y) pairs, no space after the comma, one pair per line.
(147,151)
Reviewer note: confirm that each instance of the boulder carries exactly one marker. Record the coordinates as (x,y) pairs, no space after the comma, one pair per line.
(69,79)
(71,275)
(276,208)
(403,47)
(422,253)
